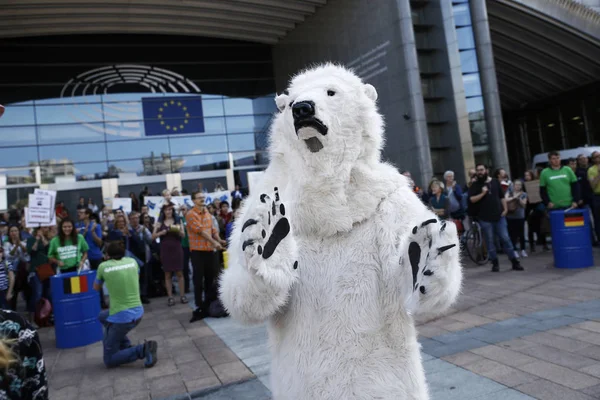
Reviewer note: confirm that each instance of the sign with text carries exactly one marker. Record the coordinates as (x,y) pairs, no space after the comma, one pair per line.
(124,204)
(40,209)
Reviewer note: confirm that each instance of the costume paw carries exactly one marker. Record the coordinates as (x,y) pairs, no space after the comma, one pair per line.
(433,254)
(267,241)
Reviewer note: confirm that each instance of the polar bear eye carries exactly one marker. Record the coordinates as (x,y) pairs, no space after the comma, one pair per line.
(330,93)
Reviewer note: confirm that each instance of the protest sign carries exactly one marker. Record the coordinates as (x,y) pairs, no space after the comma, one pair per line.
(119,203)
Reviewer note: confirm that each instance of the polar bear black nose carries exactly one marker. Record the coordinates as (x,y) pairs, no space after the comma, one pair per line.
(303,109)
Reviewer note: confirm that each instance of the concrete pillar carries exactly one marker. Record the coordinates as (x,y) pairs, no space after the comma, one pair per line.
(110,187)
(489,85)
(174,181)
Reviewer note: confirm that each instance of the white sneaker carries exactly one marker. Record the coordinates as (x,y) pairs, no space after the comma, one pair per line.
(523,253)
(516,254)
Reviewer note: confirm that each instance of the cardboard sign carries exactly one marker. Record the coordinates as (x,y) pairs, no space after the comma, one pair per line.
(40,209)
(533,191)
(124,204)
(29,224)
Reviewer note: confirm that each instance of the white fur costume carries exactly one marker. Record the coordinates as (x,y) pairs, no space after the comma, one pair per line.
(336,252)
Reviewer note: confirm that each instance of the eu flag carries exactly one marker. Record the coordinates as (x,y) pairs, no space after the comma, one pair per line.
(172,115)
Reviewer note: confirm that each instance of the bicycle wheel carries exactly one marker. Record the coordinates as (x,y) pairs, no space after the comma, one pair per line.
(475,246)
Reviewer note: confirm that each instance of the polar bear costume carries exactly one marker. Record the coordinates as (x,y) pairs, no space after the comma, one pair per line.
(335,251)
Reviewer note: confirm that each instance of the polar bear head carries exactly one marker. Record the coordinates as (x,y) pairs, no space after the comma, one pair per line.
(327,119)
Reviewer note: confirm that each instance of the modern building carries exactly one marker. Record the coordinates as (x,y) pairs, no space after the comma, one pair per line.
(112,98)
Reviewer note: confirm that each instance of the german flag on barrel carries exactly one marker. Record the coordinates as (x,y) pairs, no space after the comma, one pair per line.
(572,220)
(76,284)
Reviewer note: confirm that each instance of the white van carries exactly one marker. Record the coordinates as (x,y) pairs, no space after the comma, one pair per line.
(541,160)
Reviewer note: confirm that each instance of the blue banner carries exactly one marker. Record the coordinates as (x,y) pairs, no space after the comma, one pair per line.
(172,115)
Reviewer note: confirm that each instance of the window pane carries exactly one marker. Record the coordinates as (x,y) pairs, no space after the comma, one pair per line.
(17,135)
(238,107)
(137,148)
(472,85)
(249,158)
(462,16)
(198,145)
(241,142)
(573,121)
(157,165)
(550,125)
(86,132)
(70,100)
(212,108)
(123,111)
(123,130)
(69,113)
(214,125)
(91,171)
(475,108)
(17,115)
(19,176)
(73,153)
(258,123)
(478,132)
(465,38)
(18,156)
(468,61)
(264,105)
(202,163)
(262,123)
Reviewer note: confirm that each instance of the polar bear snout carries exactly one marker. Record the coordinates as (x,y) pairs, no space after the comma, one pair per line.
(304,113)
(303,109)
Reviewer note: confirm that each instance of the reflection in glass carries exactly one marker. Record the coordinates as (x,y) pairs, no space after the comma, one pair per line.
(249,158)
(475,108)
(15,115)
(86,132)
(241,142)
(69,113)
(73,153)
(240,124)
(550,125)
(19,176)
(478,132)
(462,15)
(468,61)
(18,156)
(151,165)
(206,162)
(574,125)
(91,171)
(472,85)
(238,106)
(123,111)
(17,135)
(465,38)
(136,148)
(212,108)
(214,125)
(194,145)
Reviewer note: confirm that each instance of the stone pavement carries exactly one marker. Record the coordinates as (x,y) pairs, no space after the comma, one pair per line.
(512,335)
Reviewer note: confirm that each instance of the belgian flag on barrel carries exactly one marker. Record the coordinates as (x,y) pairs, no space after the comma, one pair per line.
(572,220)
(76,284)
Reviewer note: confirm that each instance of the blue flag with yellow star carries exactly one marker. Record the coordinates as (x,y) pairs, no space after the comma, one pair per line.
(172,115)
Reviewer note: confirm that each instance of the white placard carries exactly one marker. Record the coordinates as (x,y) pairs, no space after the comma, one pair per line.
(29,224)
(51,193)
(124,204)
(40,209)
(155,203)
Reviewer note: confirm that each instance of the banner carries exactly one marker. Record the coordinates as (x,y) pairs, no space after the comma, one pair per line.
(124,204)
(155,203)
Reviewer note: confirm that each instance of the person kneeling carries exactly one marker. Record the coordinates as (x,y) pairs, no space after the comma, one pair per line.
(120,274)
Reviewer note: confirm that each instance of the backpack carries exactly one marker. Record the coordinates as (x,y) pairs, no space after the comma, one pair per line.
(43,313)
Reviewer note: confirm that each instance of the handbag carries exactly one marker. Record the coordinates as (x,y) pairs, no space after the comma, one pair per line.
(44,272)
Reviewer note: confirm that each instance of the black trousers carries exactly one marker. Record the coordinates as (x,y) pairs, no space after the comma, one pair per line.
(186,268)
(205,272)
(516,232)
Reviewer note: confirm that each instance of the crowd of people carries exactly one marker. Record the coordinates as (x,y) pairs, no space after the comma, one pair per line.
(503,207)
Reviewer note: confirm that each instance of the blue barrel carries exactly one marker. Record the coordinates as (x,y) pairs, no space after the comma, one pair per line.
(76,307)
(571,238)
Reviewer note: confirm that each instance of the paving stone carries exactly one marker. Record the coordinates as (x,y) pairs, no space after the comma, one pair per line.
(209,343)
(559,357)
(568,331)
(593,370)
(548,314)
(501,316)
(509,323)
(460,384)
(505,394)
(436,365)
(428,331)
(61,379)
(551,323)
(462,359)
(202,384)
(589,326)
(592,351)
(65,393)
(455,347)
(500,373)
(561,375)
(545,390)
(516,344)
(474,319)
(232,372)
(162,368)
(128,384)
(105,393)
(590,337)
(183,356)
(199,331)
(559,342)
(219,356)
(196,370)
(593,391)
(503,355)
(249,390)
(172,383)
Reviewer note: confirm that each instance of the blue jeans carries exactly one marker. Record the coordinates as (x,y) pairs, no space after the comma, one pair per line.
(500,229)
(117,347)
(39,289)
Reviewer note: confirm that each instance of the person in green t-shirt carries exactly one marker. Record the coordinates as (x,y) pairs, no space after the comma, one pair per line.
(68,250)
(559,188)
(120,275)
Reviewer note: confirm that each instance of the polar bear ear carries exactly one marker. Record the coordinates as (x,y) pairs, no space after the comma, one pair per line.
(370,91)
(281,101)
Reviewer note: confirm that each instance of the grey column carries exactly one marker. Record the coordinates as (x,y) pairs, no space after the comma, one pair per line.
(489,85)
(413,75)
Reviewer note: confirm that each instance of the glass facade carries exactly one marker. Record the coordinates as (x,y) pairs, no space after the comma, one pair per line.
(105,136)
(471,79)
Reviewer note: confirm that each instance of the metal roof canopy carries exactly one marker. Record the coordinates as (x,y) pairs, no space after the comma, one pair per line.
(543,48)
(262,21)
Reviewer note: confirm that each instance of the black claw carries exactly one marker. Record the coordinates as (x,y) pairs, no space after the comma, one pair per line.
(273,209)
(280,231)
(443,227)
(428,272)
(249,223)
(422,289)
(429,221)
(414,255)
(269,214)
(276,194)
(263,197)
(282,209)
(259,250)
(444,248)
(430,242)
(263,233)
(296,265)
(414,230)
(247,243)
